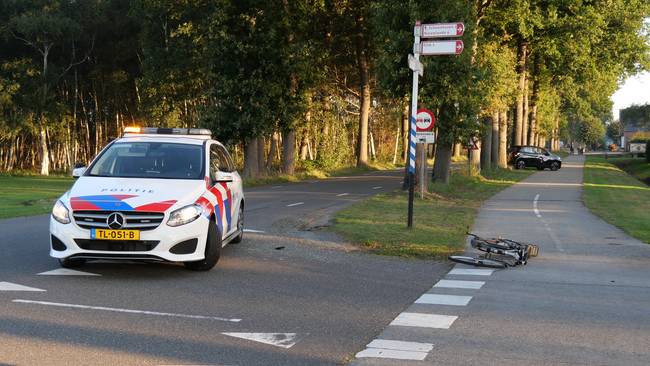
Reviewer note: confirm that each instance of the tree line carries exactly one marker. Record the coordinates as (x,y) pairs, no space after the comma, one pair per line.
(320,83)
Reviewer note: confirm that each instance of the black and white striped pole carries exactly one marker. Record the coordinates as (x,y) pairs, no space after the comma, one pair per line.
(416,66)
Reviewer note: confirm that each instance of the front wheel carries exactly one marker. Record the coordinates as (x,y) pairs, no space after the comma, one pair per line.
(212,250)
(520,164)
(555,166)
(479,262)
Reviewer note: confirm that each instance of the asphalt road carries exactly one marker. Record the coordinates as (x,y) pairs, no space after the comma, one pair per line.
(583,301)
(306,297)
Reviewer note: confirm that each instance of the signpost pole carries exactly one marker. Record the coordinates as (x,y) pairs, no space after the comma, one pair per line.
(412,126)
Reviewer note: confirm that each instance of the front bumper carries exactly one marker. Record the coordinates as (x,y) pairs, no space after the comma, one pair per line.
(165,236)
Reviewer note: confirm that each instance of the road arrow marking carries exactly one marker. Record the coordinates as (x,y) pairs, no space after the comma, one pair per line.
(296,204)
(283,340)
(66,272)
(118,310)
(8,286)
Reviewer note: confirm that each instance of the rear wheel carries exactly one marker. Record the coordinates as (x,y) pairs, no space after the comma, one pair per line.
(520,164)
(479,262)
(212,250)
(555,166)
(72,262)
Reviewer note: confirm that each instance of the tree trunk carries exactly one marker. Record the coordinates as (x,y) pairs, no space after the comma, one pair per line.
(251,159)
(503,139)
(364,92)
(521,69)
(45,152)
(486,145)
(260,153)
(524,120)
(442,163)
(495,139)
(457,150)
(397,135)
(272,151)
(288,152)
(475,159)
(304,145)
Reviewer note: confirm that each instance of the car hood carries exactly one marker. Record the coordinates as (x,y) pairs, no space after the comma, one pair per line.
(129,194)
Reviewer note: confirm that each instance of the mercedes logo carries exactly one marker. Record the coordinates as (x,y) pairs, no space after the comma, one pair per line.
(115,220)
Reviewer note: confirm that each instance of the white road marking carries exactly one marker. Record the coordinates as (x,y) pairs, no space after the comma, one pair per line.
(130,311)
(342,194)
(535,206)
(378,187)
(296,204)
(424,320)
(66,272)
(434,299)
(473,285)
(393,354)
(253,231)
(283,340)
(400,345)
(8,286)
(471,272)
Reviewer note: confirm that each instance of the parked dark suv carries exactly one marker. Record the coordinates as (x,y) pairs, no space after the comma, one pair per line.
(533,156)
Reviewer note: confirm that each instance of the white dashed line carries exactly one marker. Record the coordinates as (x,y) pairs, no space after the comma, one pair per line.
(378,187)
(130,311)
(296,204)
(434,299)
(424,320)
(399,350)
(471,285)
(535,206)
(342,194)
(471,272)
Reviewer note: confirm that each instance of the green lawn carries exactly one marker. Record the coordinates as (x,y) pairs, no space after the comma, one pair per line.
(30,195)
(637,167)
(617,197)
(440,219)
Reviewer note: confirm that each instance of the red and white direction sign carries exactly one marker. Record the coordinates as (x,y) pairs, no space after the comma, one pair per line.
(442,30)
(441,47)
(424,121)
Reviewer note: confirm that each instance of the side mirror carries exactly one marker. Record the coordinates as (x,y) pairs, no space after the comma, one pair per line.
(78,172)
(223,177)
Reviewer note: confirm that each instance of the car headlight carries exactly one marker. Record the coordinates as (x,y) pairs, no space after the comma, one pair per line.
(184,215)
(61,213)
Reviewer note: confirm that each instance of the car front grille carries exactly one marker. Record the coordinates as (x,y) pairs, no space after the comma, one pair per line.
(117,246)
(134,220)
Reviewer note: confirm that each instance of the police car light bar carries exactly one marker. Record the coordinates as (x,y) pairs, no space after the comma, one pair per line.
(168,131)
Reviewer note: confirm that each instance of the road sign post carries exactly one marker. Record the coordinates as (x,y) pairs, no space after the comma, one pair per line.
(442,47)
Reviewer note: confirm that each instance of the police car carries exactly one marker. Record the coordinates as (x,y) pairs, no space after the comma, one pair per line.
(155,194)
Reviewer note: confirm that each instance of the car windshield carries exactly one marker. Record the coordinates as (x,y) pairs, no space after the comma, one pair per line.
(150,160)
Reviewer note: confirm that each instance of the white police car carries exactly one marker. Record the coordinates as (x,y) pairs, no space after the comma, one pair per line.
(155,194)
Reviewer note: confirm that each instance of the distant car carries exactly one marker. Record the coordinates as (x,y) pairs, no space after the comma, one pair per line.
(532,156)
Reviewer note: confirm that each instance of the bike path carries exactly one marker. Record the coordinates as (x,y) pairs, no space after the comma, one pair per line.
(583,301)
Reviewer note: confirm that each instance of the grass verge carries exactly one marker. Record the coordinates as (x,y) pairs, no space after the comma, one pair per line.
(616,196)
(440,220)
(30,195)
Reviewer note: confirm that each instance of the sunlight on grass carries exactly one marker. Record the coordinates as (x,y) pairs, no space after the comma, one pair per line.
(440,219)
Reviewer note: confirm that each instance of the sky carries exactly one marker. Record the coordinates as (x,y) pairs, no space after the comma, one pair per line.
(635,90)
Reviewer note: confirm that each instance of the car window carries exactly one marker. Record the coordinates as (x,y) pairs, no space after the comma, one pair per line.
(527,150)
(150,160)
(219,160)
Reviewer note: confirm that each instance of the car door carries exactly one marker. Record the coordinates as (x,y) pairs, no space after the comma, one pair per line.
(526,154)
(222,176)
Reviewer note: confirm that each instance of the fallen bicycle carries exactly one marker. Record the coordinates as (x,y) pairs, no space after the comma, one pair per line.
(499,253)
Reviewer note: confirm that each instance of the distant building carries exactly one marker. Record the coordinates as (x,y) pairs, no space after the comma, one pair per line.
(635,121)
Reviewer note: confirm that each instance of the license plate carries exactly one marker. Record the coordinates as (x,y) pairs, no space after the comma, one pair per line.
(103,234)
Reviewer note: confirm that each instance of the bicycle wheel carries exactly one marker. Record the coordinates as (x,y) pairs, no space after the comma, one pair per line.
(479,262)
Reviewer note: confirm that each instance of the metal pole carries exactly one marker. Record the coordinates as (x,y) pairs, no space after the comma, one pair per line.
(412,126)
(423,168)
